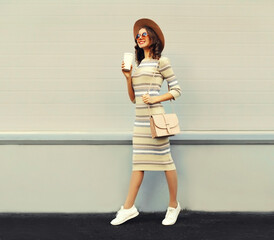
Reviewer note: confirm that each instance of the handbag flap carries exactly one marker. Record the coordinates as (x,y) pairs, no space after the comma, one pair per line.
(160,120)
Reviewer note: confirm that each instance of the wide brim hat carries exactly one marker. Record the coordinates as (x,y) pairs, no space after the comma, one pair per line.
(150,23)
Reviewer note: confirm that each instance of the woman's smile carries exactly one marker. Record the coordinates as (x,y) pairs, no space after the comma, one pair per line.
(143,39)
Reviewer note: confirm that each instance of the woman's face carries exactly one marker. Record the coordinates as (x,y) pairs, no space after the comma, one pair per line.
(143,41)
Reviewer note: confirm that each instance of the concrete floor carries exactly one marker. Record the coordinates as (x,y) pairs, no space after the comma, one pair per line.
(190,225)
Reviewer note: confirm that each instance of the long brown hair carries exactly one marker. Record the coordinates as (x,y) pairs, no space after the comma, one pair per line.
(155,46)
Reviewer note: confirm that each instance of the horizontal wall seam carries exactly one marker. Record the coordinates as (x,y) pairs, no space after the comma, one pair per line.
(172,142)
(125,138)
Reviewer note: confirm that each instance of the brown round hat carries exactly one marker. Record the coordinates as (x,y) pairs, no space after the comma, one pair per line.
(150,23)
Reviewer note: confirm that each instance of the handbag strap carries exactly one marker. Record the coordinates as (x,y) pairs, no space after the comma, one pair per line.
(150,87)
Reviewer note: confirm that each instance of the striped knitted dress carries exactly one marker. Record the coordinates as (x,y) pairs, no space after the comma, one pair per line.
(151,154)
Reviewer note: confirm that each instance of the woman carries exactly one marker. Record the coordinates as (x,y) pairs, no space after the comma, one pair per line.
(149,154)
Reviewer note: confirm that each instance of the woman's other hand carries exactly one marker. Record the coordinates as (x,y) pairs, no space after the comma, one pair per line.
(148,99)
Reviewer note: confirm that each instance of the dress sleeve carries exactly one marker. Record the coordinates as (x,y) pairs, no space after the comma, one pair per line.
(134,100)
(168,74)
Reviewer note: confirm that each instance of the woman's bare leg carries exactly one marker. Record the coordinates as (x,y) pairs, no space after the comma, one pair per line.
(171,177)
(135,183)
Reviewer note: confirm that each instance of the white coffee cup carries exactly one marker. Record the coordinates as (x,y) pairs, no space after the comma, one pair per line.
(128,58)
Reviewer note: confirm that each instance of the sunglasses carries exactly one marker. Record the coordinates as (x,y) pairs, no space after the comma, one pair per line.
(144,34)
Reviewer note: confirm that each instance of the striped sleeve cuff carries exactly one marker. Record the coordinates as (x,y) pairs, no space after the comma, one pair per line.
(175,93)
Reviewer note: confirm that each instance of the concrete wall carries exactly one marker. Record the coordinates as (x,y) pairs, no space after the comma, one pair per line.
(94,178)
(61,84)
(61,63)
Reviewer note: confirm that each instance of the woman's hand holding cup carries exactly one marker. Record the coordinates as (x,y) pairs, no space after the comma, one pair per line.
(127,64)
(126,72)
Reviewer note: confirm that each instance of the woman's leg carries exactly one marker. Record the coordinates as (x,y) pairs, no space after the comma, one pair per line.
(171,177)
(135,183)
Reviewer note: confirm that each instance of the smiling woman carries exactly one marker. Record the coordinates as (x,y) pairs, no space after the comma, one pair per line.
(143,39)
(150,154)
(147,38)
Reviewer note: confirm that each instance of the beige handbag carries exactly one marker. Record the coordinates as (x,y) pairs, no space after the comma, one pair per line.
(163,125)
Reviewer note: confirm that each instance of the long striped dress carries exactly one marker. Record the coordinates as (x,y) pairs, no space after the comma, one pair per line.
(151,154)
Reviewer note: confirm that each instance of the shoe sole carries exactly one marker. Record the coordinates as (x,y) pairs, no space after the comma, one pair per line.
(169,223)
(130,217)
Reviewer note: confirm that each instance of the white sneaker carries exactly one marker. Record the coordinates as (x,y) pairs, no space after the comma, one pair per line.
(171,215)
(125,214)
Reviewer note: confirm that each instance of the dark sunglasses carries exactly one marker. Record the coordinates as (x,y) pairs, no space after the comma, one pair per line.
(144,34)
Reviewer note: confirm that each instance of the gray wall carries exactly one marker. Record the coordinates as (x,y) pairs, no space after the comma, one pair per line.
(66,119)
(89,178)
(60,63)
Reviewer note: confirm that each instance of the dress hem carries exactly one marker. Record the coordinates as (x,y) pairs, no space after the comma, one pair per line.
(148,168)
